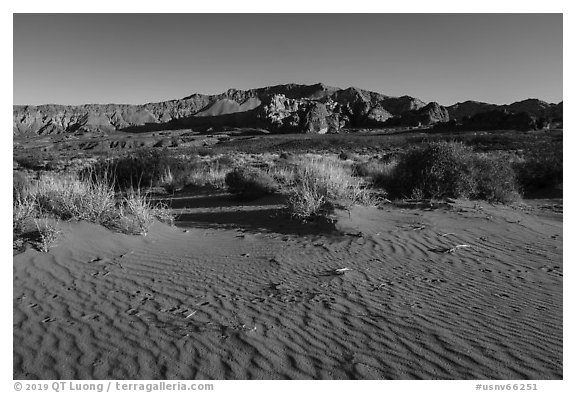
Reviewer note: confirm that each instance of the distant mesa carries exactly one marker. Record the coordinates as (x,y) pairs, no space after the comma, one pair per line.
(282,108)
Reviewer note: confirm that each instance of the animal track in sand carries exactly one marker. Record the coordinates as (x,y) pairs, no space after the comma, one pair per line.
(554,270)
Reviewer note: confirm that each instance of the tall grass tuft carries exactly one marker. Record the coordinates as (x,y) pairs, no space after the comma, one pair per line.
(321,184)
(67,196)
(48,234)
(70,196)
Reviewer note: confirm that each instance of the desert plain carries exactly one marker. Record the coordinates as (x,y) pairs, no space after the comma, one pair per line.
(209,280)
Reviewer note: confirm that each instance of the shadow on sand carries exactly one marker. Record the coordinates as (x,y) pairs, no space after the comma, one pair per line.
(199,208)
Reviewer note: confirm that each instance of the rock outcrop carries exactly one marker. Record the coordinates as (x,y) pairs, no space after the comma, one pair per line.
(425,116)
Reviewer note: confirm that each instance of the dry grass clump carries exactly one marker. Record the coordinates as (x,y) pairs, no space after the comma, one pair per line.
(23,208)
(136,212)
(283,173)
(322,183)
(23,205)
(68,196)
(375,169)
(48,232)
(250,183)
(212,174)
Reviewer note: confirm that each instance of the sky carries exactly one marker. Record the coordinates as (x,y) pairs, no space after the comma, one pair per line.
(139,58)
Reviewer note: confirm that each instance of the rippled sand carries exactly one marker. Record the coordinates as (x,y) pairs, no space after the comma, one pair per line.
(266,302)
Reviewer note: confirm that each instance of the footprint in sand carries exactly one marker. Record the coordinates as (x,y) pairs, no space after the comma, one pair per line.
(551,269)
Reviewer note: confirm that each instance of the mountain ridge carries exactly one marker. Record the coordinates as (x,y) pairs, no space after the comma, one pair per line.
(289,107)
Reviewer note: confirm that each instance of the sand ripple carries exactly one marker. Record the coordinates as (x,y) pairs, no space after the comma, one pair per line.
(214,304)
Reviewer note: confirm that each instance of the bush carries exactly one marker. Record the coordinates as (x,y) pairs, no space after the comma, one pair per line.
(449,169)
(321,184)
(540,169)
(437,170)
(495,180)
(250,183)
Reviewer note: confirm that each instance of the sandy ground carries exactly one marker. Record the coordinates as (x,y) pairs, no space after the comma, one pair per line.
(237,291)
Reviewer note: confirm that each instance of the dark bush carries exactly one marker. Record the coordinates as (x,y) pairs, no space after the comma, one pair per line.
(542,168)
(440,169)
(448,169)
(250,183)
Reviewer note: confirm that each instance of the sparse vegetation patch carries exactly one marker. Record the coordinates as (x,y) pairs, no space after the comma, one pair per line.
(73,196)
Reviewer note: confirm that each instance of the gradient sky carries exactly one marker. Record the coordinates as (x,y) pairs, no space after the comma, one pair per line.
(139,58)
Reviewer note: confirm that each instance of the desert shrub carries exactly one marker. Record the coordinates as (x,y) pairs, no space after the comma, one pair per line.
(450,169)
(539,169)
(322,183)
(439,169)
(250,183)
(495,180)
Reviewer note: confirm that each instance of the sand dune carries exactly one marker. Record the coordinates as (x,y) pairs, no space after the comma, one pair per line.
(221,297)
